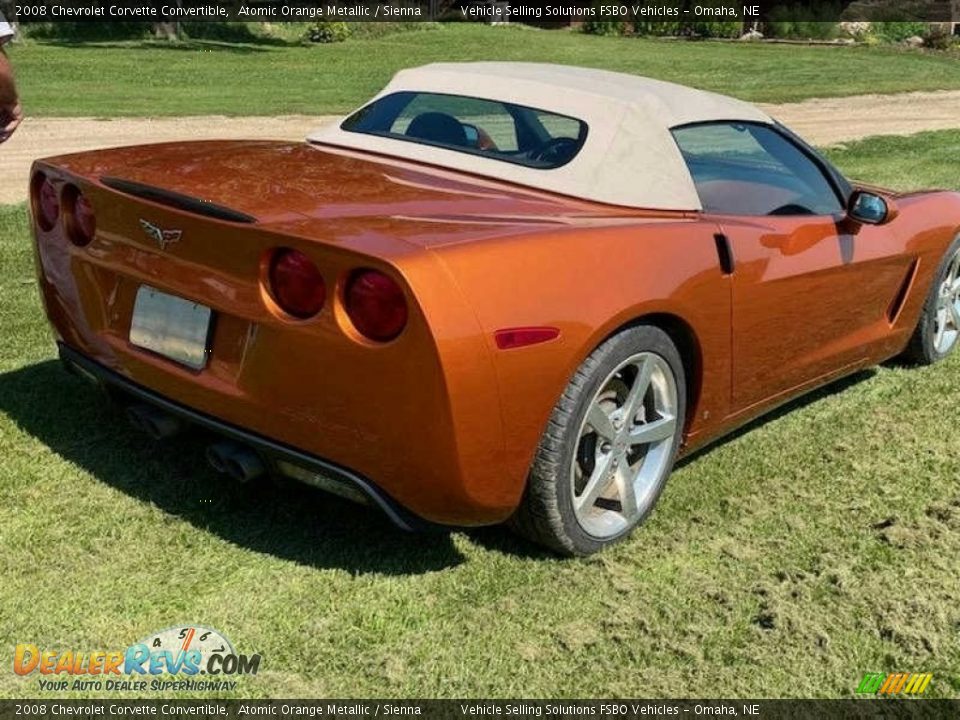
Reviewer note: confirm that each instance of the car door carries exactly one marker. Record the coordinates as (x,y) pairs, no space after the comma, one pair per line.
(813,292)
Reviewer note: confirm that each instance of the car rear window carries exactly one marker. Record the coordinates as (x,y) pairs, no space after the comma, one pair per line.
(497,130)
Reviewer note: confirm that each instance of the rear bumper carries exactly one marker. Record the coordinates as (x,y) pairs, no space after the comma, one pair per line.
(274,453)
(421,414)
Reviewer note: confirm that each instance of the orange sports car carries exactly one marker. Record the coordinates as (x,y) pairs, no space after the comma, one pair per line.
(496,292)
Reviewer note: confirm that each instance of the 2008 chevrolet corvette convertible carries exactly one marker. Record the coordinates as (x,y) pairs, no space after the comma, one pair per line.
(497,291)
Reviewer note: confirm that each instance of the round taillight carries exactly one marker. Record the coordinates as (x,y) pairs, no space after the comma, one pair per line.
(296,284)
(376,305)
(47,203)
(81,222)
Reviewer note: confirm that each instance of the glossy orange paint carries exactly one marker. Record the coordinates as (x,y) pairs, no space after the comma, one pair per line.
(440,418)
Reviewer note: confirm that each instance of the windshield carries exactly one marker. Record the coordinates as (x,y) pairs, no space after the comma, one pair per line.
(497,130)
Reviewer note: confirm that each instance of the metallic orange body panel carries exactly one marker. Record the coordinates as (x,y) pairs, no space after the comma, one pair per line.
(440,418)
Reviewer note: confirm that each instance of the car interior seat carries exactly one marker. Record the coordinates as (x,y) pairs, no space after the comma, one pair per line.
(439,128)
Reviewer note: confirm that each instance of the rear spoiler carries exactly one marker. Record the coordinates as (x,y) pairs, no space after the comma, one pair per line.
(177,200)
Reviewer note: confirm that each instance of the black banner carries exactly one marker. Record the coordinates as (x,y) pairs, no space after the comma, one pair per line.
(491,11)
(865,709)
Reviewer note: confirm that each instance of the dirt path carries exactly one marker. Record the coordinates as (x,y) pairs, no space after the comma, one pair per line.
(42,137)
(825,121)
(821,121)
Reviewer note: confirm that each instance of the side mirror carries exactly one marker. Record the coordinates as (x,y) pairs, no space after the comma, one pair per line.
(870,208)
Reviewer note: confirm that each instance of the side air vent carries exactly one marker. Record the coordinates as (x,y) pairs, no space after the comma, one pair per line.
(177,200)
(896,305)
(724,253)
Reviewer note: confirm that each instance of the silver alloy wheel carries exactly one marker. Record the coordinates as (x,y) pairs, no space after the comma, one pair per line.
(625,445)
(947,328)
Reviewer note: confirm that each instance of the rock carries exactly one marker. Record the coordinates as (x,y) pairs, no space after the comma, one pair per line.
(856,30)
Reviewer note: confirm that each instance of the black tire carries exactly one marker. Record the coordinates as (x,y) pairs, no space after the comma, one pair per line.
(546,513)
(922,348)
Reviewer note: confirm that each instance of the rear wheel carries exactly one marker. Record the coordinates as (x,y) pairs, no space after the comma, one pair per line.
(609,446)
(938,330)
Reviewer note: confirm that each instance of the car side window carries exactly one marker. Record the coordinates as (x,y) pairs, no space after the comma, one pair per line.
(751,169)
(496,130)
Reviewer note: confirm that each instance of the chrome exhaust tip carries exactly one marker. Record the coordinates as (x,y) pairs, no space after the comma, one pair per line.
(237,461)
(155,423)
(216,456)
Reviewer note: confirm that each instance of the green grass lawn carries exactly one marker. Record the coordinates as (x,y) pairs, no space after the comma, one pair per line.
(144,78)
(786,561)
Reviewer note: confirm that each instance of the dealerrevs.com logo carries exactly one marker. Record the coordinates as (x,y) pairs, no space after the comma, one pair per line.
(183,653)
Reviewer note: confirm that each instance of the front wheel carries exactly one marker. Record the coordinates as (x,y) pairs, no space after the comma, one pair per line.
(938,330)
(609,445)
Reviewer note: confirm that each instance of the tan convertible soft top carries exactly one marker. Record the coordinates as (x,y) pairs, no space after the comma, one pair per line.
(629,157)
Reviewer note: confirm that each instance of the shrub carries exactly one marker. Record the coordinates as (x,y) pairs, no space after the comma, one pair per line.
(596,26)
(897,31)
(659,29)
(229,32)
(715,29)
(802,29)
(85,31)
(937,37)
(605,27)
(814,21)
(712,28)
(610,28)
(326,31)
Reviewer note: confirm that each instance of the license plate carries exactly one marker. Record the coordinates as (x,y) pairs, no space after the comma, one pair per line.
(171,326)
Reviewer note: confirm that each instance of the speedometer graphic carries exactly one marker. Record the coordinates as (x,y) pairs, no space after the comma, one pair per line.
(187,638)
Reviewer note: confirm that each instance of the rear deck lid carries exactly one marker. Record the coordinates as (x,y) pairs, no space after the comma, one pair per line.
(278,182)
